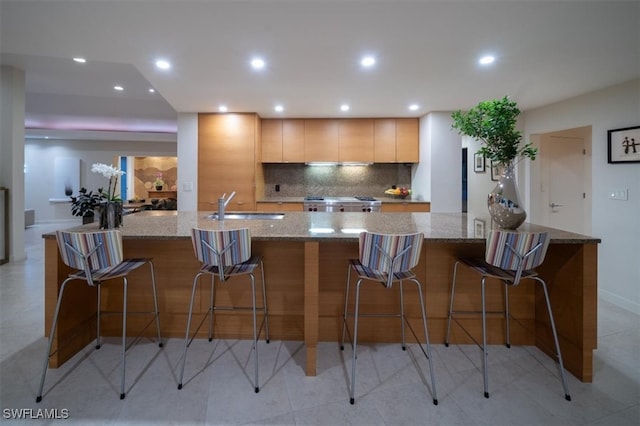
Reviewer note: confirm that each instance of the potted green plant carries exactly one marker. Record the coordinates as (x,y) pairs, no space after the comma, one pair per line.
(493,123)
(86,203)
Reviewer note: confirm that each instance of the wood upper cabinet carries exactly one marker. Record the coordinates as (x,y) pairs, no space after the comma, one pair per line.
(379,140)
(407,140)
(293,141)
(397,140)
(271,139)
(282,141)
(356,140)
(321,140)
(384,138)
(227,160)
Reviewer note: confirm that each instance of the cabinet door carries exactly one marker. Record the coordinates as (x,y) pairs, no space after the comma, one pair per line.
(226,160)
(293,141)
(407,140)
(321,140)
(405,207)
(356,140)
(271,135)
(384,140)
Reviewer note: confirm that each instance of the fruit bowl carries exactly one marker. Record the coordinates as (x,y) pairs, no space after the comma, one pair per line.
(400,193)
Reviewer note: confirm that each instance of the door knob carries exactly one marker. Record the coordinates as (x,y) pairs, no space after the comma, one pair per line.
(554,205)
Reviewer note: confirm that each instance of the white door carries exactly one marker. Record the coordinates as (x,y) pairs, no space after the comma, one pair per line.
(563,187)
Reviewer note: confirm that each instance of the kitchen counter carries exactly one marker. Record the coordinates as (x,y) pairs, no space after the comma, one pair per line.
(305,268)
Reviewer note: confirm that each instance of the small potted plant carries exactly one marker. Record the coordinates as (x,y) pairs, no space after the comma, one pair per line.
(86,203)
(158,183)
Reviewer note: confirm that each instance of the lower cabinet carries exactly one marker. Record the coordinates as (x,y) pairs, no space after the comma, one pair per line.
(406,207)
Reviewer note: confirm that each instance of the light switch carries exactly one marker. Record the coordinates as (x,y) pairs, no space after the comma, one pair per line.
(187,187)
(619,194)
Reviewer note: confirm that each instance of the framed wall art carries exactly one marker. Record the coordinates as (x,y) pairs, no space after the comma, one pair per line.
(496,171)
(478,163)
(623,145)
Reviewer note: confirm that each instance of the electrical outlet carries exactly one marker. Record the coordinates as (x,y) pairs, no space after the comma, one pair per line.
(187,187)
(619,194)
(277,187)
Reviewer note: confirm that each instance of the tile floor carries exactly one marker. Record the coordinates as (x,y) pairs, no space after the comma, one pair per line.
(392,386)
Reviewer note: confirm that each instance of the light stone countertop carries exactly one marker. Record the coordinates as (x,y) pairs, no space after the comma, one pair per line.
(318,226)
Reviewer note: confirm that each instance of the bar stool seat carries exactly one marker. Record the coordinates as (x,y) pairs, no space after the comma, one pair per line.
(97,257)
(225,254)
(511,257)
(385,259)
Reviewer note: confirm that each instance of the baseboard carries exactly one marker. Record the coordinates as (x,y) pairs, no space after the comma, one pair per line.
(619,301)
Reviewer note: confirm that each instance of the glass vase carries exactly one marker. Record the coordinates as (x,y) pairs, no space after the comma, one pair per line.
(111,215)
(505,207)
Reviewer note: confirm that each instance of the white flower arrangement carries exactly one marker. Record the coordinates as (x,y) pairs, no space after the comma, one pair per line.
(109,172)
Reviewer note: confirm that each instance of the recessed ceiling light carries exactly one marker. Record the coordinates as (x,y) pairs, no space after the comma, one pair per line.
(257,63)
(279,108)
(222,108)
(414,107)
(344,107)
(163,64)
(486,60)
(118,88)
(152,90)
(368,61)
(80,60)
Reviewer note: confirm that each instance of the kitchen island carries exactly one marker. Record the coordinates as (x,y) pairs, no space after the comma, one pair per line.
(305,259)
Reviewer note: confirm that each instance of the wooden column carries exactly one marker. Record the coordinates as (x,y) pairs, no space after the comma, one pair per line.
(311,302)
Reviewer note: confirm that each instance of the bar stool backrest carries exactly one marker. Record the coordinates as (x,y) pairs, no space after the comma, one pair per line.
(221,248)
(90,251)
(516,251)
(390,253)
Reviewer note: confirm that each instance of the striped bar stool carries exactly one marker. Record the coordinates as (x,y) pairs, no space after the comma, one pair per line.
(385,259)
(226,254)
(96,257)
(510,257)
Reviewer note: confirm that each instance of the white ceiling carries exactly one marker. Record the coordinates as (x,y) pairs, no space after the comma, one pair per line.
(426,52)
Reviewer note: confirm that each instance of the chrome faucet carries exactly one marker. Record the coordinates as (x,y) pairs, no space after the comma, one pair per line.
(222,203)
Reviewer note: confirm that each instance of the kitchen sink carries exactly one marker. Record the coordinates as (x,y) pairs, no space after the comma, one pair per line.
(249,216)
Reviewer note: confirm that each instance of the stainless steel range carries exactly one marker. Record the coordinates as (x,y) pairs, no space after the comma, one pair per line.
(341,204)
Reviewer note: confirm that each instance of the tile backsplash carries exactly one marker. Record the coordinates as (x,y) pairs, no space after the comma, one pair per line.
(299,180)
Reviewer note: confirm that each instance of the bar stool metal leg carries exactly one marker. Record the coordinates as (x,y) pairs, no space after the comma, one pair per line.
(453,291)
(507,316)
(255,334)
(155,303)
(51,335)
(212,304)
(426,339)
(404,344)
(354,357)
(485,353)
(264,303)
(345,312)
(124,334)
(567,396)
(186,336)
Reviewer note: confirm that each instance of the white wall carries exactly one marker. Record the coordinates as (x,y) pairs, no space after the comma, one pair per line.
(39,155)
(438,176)
(12,112)
(188,161)
(617,223)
